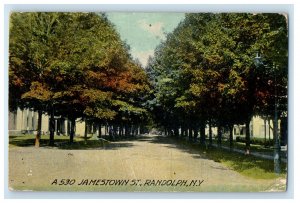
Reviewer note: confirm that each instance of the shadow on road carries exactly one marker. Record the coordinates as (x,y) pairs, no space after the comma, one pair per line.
(173,143)
(93,145)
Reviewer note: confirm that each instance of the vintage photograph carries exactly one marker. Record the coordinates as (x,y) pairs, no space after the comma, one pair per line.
(148,102)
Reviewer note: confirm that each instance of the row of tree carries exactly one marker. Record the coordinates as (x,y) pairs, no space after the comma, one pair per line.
(205,73)
(74,65)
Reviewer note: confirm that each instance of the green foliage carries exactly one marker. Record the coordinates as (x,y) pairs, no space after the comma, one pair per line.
(76,65)
(205,72)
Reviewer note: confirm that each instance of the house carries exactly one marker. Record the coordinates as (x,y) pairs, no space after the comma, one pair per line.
(25,122)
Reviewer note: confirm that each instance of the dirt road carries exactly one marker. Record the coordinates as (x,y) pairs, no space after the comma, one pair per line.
(149,163)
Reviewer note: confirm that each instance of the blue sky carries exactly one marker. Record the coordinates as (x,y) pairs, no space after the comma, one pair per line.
(144,31)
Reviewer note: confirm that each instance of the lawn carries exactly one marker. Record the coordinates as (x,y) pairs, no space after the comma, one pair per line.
(253,147)
(61,142)
(246,165)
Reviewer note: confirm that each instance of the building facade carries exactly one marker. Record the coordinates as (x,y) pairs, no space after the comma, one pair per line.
(26,122)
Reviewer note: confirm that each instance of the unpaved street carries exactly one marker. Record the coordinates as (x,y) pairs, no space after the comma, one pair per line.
(150,159)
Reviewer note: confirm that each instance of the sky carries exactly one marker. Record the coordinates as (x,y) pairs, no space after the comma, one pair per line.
(144,31)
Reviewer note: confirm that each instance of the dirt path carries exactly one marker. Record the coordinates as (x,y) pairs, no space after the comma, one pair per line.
(150,163)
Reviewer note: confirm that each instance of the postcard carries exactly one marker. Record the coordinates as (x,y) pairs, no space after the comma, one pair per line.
(148,102)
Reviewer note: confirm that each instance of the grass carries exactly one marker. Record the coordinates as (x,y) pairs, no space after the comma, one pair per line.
(241,145)
(247,165)
(253,147)
(28,140)
(61,142)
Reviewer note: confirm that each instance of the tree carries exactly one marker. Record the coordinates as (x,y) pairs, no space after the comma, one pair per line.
(206,67)
(75,66)
(31,39)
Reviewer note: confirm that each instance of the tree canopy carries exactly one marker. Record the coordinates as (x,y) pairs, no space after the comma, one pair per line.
(205,71)
(74,65)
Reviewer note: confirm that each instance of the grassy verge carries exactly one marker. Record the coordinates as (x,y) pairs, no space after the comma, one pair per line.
(241,145)
(61,142)
(247,165)
(269,150)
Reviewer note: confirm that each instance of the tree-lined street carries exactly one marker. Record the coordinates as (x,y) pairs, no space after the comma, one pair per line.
(214,71)
(207,73)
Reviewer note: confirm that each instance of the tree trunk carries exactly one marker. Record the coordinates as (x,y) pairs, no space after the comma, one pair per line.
(126,130)
(111,132)
(269,132)
(99,130)
(72,130)
(85,132)
(132,130)
(115,130)
(265,131)
(284,130)
(52,127)
(176,131)
(202,134)
(105,129)
(210,133)
(247,149)
(183,131)
(120,131)
(186,131)
(231,136)
(195,134)
(190,134)
(219,135)
(123,129)
(39,130)
(171,131)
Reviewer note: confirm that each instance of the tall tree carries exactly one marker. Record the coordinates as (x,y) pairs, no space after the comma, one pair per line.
(208,68)
(73,65)
(30,48)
